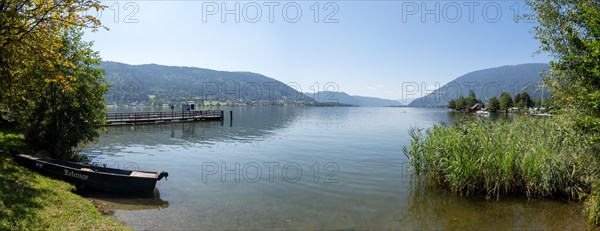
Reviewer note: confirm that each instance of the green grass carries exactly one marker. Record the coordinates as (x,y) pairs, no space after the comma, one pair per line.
(10,137)
(30,201)
(535,157)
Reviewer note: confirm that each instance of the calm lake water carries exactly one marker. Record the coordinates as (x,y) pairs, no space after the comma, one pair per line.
(303,168)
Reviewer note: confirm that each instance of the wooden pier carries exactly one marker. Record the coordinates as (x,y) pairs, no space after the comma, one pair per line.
(161,117)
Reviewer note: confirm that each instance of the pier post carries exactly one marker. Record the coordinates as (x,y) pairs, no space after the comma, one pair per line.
(230,118)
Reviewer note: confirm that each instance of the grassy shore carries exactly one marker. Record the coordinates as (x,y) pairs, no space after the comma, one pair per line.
(30,201)
(535,157)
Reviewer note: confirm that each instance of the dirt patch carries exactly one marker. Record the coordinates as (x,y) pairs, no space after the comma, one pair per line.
(101,207)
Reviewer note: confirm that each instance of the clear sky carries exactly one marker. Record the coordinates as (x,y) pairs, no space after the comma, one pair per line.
(366,47)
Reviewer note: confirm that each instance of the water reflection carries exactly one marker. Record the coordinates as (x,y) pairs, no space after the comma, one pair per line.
(430,207)
(112,202)
(249,124)
(373,190)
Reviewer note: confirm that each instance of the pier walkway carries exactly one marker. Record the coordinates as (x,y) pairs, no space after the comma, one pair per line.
(119,118)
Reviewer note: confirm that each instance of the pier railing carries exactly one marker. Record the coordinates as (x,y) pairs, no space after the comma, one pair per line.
(149,117)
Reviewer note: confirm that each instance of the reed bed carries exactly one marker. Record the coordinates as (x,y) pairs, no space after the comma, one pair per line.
(537,157)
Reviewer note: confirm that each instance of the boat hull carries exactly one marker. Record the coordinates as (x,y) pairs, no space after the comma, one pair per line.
(92,177)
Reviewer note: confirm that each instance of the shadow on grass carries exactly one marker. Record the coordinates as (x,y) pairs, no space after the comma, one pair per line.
(20,201)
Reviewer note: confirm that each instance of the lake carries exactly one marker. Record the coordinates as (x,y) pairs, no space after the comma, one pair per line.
(303,168)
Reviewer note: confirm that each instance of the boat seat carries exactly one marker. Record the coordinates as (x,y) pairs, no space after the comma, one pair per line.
(142,174)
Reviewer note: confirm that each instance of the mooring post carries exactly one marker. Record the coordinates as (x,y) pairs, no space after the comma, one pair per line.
(230,118)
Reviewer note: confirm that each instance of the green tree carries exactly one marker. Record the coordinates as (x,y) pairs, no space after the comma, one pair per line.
(463,103)
(47,83)
(64,114)
(452,104)
(460,103)
(30,35)
(493,104)
(570,31)
(522,100)
(506,101)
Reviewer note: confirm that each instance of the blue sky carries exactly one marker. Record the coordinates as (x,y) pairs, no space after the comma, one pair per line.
(366,47)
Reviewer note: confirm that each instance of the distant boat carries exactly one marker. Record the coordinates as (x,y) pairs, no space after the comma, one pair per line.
(543,112)
(482,114)
(94,177)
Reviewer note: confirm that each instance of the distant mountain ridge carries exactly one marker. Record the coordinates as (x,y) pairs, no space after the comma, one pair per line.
(488,83)
(344,98)
(158,84)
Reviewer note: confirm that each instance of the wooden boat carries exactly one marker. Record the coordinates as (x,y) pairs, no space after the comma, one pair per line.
(94,177)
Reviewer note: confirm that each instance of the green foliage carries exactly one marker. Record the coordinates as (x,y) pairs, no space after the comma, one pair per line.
(592,205)
(464,103)
(493,104)
(506,101)
(570,31)
(522,100)
(531,156)
(30,34)
(10,138)
(61,115)
(452,104)
(48,84)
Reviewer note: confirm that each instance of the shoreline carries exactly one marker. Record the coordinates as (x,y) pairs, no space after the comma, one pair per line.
(31,201)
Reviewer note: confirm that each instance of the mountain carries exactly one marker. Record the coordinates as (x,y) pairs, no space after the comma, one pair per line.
(158,84)
(488,83)
(344,98)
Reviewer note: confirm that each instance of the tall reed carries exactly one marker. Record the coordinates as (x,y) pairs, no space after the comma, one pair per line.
(537,157)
